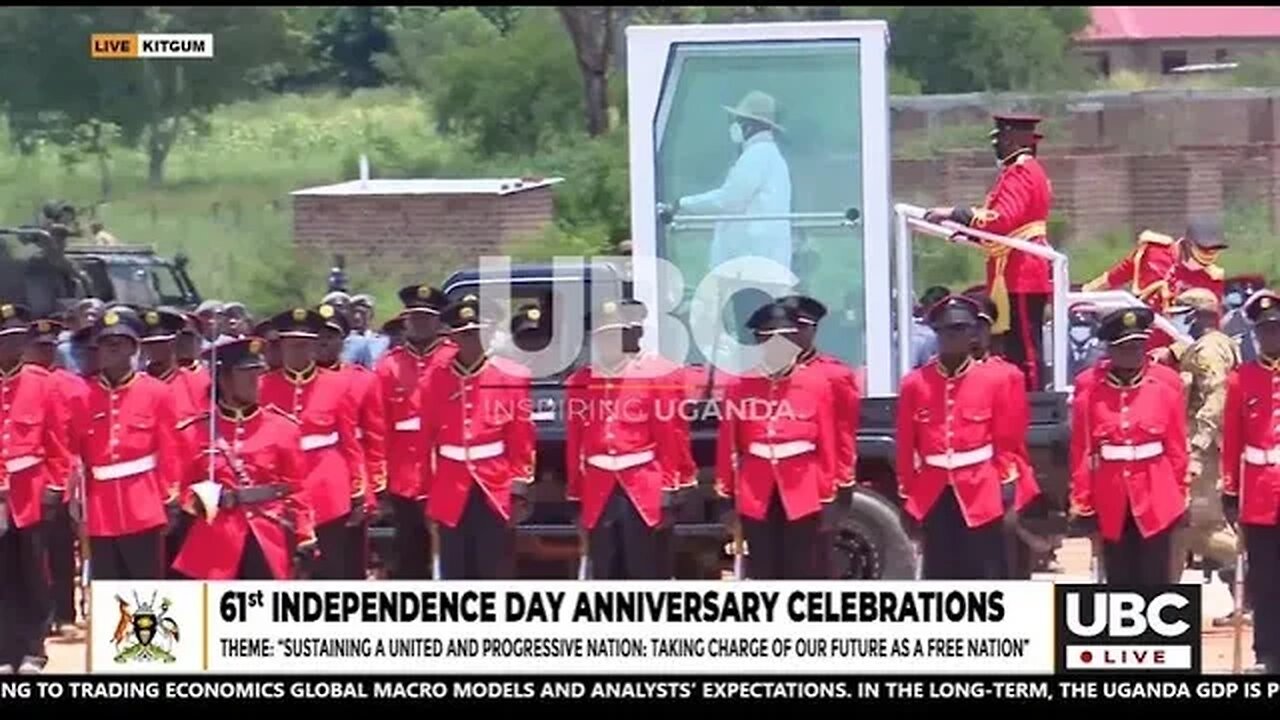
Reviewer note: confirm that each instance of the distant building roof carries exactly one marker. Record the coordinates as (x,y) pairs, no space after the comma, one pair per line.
(1192,22)
(477,186)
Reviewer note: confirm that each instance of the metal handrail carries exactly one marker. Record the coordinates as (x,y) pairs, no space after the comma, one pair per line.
(760,216)
(1123,298)
(911,217)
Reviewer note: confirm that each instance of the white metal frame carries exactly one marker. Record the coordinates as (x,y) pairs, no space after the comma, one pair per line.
(648,51)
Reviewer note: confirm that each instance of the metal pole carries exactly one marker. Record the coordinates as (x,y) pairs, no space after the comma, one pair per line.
(902,266)
(1061,283)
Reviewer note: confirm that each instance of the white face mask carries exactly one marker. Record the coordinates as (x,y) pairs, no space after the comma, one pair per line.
(735,134)
(1081,333)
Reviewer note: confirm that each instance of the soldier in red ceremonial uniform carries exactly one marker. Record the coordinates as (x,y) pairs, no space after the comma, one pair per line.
(959,451)
(322,401)
(480,442)
(625,453)
(370,429)
(1251,472)
(243,482)
(33,456)
(130,453)
(60,534)
(271,338)
(400,372)
(1129,456)
(1161,268)
(777,453)
(1018,207)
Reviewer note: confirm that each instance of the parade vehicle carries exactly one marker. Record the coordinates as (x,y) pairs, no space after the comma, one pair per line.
(821,91)
(42,266)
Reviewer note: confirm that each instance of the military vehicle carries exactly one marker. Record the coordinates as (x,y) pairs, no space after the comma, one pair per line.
(47,267)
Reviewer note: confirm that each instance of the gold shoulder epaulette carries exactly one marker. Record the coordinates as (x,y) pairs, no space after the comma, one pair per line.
(277,410)
(1153,237)
(1216,272)
(188,422)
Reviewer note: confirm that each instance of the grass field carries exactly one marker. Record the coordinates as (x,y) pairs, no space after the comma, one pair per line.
(225,202)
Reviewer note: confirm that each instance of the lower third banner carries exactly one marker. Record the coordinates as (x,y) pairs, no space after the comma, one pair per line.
(572,628)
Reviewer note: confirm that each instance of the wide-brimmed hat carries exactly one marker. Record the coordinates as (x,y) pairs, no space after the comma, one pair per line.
(757,106)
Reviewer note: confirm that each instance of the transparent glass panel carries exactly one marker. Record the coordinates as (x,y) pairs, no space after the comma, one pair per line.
(782,189)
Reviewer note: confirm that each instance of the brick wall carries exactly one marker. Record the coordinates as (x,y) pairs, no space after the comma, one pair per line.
(1100,192)
(407,235)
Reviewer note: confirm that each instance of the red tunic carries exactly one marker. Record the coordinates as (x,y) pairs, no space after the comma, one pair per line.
(399,373)
(477,430)
(74,392)
(266,444)
(1017,206)
(33,441)
(198,384)
(778,433)
(131,455)
(1017,403)
(323,403)
(1129,455)
(844,389)
(625,429)
(1251,442)
(371,427)
(958,431)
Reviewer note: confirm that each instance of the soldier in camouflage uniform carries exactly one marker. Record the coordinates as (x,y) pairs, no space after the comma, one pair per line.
(1204,366)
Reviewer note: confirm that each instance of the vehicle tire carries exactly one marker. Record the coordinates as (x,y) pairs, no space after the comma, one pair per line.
(869,542)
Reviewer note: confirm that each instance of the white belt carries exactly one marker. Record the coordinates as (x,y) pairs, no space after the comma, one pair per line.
(780,451)
(18,464)
(124,469)
(412,424)
(315,442)
(475,452)
(615,463)
(1131,453)
(957,460)
(1258,456)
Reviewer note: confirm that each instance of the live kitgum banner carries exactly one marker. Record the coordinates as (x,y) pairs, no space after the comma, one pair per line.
(572,627)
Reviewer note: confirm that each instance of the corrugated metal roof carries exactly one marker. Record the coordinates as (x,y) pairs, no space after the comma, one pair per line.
(1191,22)
(473,186)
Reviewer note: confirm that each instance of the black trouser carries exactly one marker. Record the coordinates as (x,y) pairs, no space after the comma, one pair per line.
(623,546)
(411,558)
(1263,551)
(782,549)
(481,547)
(955,551)
(333,539)
(1135,560)
(253,562)
(1023,345)
(60,546)
(173,543)
(24,595)
(138,556)
(357,567)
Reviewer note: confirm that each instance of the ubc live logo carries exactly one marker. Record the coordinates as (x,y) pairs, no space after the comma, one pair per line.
(1100,628)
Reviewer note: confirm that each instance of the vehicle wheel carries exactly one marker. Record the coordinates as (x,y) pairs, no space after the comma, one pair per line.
(869,542)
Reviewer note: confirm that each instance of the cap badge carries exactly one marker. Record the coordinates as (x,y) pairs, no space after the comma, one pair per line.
(534,314)
(326,311)
(1265,303)
(609,306)
(110,318)
(6,311)
(467,313)
(1130,320)
(299,314)
(255,346)
(153,318)
(424,292)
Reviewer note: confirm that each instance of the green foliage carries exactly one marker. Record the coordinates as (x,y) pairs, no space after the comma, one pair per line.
(346,40)
(901,83)
(509,94)
(1257,71)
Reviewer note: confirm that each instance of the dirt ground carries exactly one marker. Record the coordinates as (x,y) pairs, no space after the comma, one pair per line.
(68,656)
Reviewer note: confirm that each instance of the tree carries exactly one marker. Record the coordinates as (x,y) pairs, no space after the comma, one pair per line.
(347,39)
(592,30)
(150,101)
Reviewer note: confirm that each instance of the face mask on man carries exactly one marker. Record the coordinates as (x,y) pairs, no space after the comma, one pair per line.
(735,134)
